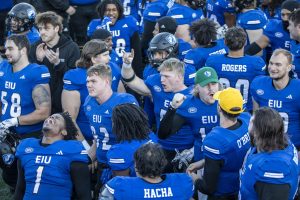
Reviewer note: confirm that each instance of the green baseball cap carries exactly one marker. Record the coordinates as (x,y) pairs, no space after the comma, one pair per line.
(206,75)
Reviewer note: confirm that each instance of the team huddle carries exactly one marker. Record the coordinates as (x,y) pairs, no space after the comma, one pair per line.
(158,99)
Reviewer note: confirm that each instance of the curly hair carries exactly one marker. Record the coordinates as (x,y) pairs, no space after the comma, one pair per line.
(101,7)
(129,122)
(70,127)
(150,160)
(204,31)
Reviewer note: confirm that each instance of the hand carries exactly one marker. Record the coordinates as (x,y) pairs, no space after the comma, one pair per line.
(40,52)
(194,176)
(52,56)
(177,100)
(9,123)
(195,166)
(128,57)
(183,158)
(3,133)
(92,151)
(71,10)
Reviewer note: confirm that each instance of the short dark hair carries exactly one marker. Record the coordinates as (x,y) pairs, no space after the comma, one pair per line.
(129,122)
(235,38)
(21,41)
(91,49)
(229,116)
(70,127)
(204,31)
(268,130)
(101,7)
(49,17)
(150,160)
(295,17)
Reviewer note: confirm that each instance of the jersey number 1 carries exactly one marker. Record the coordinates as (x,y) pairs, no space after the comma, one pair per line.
(38,179)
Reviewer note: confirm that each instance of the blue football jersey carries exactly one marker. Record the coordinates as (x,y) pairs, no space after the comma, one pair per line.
(157,9)
(230,146)
(115,58)
(131,8)
(183,48)
(295,50)
(174,186)
(237,72)
(99,117)
(184,14)
(121,31)
(75,80)
(47,168)
(276,15)
(16,92)
(278,37)
(197,57)
(121,156)
(33,35)
(276,167)
(201,118)
(184,138)
(285,101)
(217,8)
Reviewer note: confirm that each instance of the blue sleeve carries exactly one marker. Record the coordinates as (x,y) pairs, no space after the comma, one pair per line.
(41,75)
(189,75)
(78,153)
(212,147)
(260,67)
(115,185)
(119,159)
(154,11)
(72,81)
(92,27)
(253,91)
(269,29)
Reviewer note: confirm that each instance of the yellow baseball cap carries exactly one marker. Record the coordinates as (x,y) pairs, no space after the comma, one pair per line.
(230,100)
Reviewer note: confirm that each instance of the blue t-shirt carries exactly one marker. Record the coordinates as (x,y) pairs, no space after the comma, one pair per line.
(99,116)
(237,72)
(276,167)
(47,168)
(16,92)
(230,146)
(285,101)
(174,186)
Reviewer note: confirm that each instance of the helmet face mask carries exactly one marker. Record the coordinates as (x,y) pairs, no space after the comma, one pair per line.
(8,145)
(20,18)
(165,43)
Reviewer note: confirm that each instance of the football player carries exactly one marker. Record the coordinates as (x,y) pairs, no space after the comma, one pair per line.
(150,182)
(50,167)
(20,20)
(236,69)
(279,91)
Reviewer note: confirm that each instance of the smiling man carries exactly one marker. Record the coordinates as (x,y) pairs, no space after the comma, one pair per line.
(50,167)
(280,92)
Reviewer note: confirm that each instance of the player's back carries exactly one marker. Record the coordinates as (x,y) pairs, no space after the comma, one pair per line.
(174,186)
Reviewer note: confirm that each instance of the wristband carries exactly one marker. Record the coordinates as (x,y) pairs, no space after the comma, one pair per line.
(127,80)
